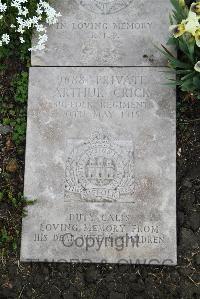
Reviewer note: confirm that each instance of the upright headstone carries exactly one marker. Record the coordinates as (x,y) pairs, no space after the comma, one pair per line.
(100,154)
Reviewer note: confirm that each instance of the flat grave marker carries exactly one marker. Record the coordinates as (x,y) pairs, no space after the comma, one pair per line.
(106,33)
(100,160)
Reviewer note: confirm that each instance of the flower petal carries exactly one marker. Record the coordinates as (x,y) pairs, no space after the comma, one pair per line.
(182,3)
(195,7)
(177,30)
(191,23)
(197,67)
(197,37)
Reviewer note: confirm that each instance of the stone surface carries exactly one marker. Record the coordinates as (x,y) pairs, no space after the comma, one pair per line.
(100,160)
(107,33)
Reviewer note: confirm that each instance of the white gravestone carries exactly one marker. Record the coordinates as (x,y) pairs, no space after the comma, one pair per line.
(106,33)
(100,160)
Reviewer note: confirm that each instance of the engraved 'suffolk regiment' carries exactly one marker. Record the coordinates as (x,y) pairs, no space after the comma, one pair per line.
(101,169)
(104,6)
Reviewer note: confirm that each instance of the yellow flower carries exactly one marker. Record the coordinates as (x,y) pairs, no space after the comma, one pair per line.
(197,37)
(177,30)
(195,7)
(181,3)
(191,23)
(197,67)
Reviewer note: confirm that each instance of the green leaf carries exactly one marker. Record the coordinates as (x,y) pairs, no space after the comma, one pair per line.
(196,81)
(173,41)
(189,76)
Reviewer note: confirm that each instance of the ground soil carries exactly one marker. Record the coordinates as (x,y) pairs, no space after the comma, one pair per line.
(45,280)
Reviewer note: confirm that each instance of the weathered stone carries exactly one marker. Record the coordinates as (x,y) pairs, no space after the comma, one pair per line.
(107,32)
(100,159)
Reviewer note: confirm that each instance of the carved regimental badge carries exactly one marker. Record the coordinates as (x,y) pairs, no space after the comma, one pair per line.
(104,6)
(101,169)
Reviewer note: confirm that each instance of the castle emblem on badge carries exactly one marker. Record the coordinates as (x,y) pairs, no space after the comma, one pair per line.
(104,7)
(100,169)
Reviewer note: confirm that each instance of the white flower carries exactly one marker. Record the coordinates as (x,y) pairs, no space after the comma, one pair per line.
(22,41)
(26,20)
(191,23)
(197,67)
(40,28)
(3,7)
(5,38)
(43,38)
(24,12)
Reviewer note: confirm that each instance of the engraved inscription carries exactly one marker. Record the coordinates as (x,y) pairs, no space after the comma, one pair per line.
(106,33)
(100,169)
(103,97)
(106,185)
(104,6)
